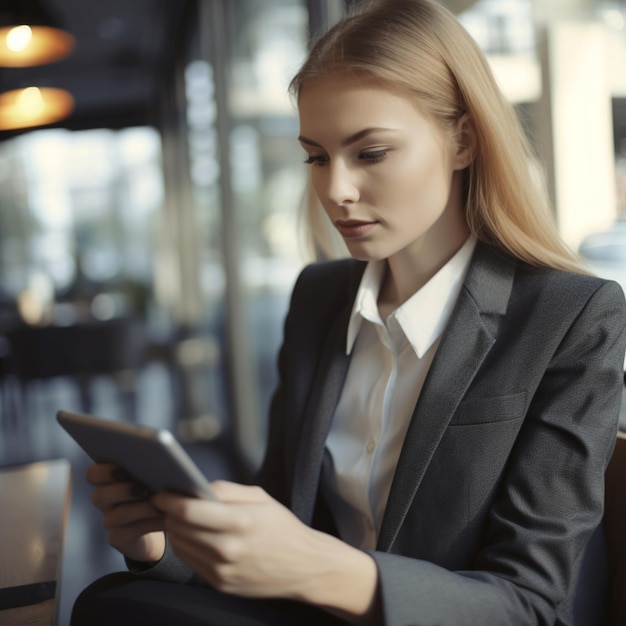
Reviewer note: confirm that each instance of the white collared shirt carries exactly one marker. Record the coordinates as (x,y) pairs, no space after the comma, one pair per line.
(389,364)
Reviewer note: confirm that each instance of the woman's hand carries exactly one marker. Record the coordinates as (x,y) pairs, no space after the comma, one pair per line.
(134,526)
(251,545)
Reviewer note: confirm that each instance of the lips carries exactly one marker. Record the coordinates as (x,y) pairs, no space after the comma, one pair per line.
(351,229)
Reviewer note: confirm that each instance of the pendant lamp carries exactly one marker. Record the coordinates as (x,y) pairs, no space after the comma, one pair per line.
(29,35)
(33,106)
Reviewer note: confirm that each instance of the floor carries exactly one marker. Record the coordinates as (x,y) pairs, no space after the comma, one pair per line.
(36,436)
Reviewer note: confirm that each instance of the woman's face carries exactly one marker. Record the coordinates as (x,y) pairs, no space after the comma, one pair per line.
(384,173)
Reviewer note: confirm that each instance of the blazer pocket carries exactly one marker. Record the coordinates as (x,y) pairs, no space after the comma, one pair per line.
(490,409)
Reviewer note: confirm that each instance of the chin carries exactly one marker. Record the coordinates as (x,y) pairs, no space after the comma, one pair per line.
(362,256)
(358,253)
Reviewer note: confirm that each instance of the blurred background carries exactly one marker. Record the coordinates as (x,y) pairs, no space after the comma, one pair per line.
(150,192)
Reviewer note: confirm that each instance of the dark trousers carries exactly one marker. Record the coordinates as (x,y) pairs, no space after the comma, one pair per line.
(124,599)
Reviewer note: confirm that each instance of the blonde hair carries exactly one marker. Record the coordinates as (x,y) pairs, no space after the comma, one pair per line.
(418,48)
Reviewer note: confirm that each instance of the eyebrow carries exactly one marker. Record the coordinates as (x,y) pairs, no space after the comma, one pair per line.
(348,140)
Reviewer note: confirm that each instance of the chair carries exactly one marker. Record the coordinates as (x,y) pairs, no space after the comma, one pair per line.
(114,348)
(615,531)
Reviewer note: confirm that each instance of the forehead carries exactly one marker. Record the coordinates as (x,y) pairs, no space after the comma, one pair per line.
(337,106)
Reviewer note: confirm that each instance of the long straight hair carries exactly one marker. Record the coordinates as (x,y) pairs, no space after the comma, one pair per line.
(419,49)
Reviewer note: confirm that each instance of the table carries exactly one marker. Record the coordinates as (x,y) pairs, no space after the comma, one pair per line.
(34,511)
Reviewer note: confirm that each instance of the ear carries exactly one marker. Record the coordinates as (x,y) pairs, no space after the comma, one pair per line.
(465,142)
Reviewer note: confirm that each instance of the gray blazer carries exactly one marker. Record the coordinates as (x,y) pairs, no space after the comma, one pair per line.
(499,485)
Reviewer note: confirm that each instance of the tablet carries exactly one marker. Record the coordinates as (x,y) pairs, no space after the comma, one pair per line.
(152,457)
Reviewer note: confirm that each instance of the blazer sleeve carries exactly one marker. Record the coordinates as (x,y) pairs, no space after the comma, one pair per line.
(311,289)
(169,568)
(550,500)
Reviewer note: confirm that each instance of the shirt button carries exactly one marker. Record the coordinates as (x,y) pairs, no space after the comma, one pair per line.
(370,446)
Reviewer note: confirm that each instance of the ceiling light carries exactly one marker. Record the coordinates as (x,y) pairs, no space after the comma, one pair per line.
(34,106)
(30,36)
(19,38)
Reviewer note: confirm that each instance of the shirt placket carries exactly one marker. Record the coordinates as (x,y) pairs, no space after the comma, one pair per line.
(379,415)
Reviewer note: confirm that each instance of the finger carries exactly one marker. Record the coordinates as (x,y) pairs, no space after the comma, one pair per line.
(170,503)
(193,542)
(113,494)
(130,514)
(105,473)
(221,571)
(203,563)
(194,515)
(194,512)
(203,558)
(215,547)
(228,491)
(140,543)
(121,535)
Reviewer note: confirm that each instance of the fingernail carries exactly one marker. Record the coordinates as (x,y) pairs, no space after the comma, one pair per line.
(117,473)
(139,491)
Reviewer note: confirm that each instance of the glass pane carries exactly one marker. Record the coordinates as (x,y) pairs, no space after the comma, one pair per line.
(268,41)
(78,219)
(195,208)
(80,211)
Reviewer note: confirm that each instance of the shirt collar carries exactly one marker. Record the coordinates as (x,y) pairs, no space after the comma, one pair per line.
(425,314)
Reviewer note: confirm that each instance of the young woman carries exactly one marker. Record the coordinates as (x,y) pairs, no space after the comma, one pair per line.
(448,398)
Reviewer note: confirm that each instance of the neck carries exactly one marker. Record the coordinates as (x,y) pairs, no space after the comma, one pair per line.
(409,269)
(408,273)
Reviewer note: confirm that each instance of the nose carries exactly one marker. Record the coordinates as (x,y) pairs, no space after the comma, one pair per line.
(336,184)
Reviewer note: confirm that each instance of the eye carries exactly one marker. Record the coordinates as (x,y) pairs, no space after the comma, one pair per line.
(373,156)
(319,160)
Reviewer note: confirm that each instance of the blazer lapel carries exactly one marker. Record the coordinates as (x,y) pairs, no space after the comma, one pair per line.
(466,341)
(325,392)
